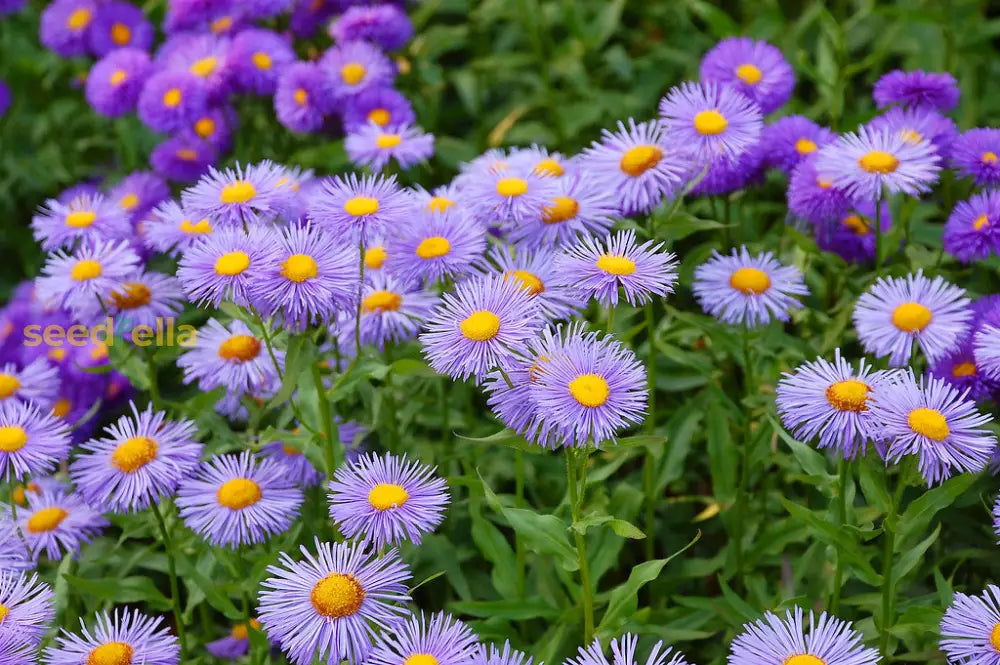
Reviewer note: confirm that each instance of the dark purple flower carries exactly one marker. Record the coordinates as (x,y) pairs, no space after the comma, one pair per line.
(119,25)
(116,81)
(936,90)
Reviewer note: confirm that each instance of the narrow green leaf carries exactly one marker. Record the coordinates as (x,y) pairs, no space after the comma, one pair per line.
(837,537)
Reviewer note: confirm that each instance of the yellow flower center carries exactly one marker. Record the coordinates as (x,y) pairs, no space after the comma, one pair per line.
(79,19)
(382,301)
(221,24)
(911,136)
(46,519)
(421,659)
(848,395)
(750,281)
(232,263)
(299,267)
(240,191)
(989,157)
(379,116)
(374,257)
(135,453)
(58,354)
(337,596)
(204,67)
(238,493)
(134,294)
(615,265)
(804,146)
(99,351)
(440,204)
(111,653)
(928,422)
(172,98)
(187,154)
(204,226)
(12,438)
(3,612)
(8,385)
(261,60)
(960,370)
(529,281)
(856,224)
(640,159)
(61,408)
(511,186)
(590,390)
(387,495)
(433,247)
(995,637)
(911,317)
(239,348)
(548,167)
(205,127)
(121,34)
(301,97)
(86,269)
(360,206)
(480,326)
(749,74)
(386,141)
(536,370)
(878,161)
(561,209)
(710,123)
(118,77)
(240,631)
(129,202)
(804,659)
(824,184)
(79,219)
(352,73)
(981,222)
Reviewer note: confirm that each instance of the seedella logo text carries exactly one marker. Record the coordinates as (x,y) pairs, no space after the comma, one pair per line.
(162,332)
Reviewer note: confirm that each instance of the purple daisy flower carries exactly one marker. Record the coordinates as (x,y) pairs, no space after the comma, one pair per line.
(65,26)
(976,154)
(215,126)
(232,357)
(491,655)
(237,500)
(28,607)
(542,162)
(141,460)
(308,15)
(755,68)
(374,146)
(355,67)
(294,464)
(385,107)
(710,121)
(724,175)
(636,164)
(440,636)
(969,628)
(85,218)
(789,140)
(32,441)
(895,312)
(774,640)
(829,401)
(385,25)
(235,196)
(128,637)
(171,100)
(5,98)
(235,645)
(916,125)
(360,208)
(871,161)
(960,370)
(386,500)
(972,231)
(58,523)
(203,55)
(392,311)
(598,269)
(508,195)
(814,198)
(623,653)
(580,208)
(257,57)
(933,420)
(987,350)
(480,327)
(331,603)
(936,90)
(138,193)
(170,230)
(224,266)
(13,553)
(434,246)
(183,158)
(748,290)
(308,278)
(11,6)
(851,236)
(303,97)
(79,281)
(539,274)
(119,25)
(116,81)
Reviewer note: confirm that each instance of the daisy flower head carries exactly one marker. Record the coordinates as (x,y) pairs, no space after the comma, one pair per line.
(27,606)
(972,231)
(711,121)
(308,16)
(723,176)
(138,193)
(755,68)
(140,460)
(871,161)
(119,25)
(813,197)
(81,279)
(490,655)
(58,523)
(580,207)
(171,100)
(231,356)
(294,465)
(13,651)
(440,637)
(13,553)
(386,500)
(356,66)
(479,327)
(896,312)
(235,196)
(920,89)
(392,311)
(434,246)
(774,640)
(125,637)
(256,58)
(388,26)
(224,265)
(623,653)
(852,235)
(599,269)
(440,200)
(508,195)
(748,290)
(360,208)
(976,154)
(385,107)
(303,97)
(789,140)
(203,55)
(987,350)
(32,441)
(916,125)
(829,401)
(541,161)
(539,274)
(934,421)
(215,126)
(962,371)
(168,229)
(116,80)
(184,158)
(236,644)
(970,628)
(636,164)
(65,26)
(373,146)
(86,218)
(146,299)
(331,602)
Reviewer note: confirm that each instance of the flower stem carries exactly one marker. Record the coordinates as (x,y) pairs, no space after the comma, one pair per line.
(888,552)
(361,291)
(575,501)
(518,543)
(648,469)
(844,474)
(329,430)
(742,488)
(175,596)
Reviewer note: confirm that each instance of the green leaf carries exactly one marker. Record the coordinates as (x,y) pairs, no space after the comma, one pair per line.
(125,590)
(514,609)
(873,486)
(296,357)
(412,367)
(811,461)
(919,514)
(215,598)
(722,454)
(495,548)
(626,529)
(839,538)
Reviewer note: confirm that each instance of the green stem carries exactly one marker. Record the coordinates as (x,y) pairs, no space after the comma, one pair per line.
(175,596)
(888,552)
(519,544)
(742,489)
(648,469)
(575,501)
(844,473)
(361,291)
(154,387)
(611,320)
(330,432)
